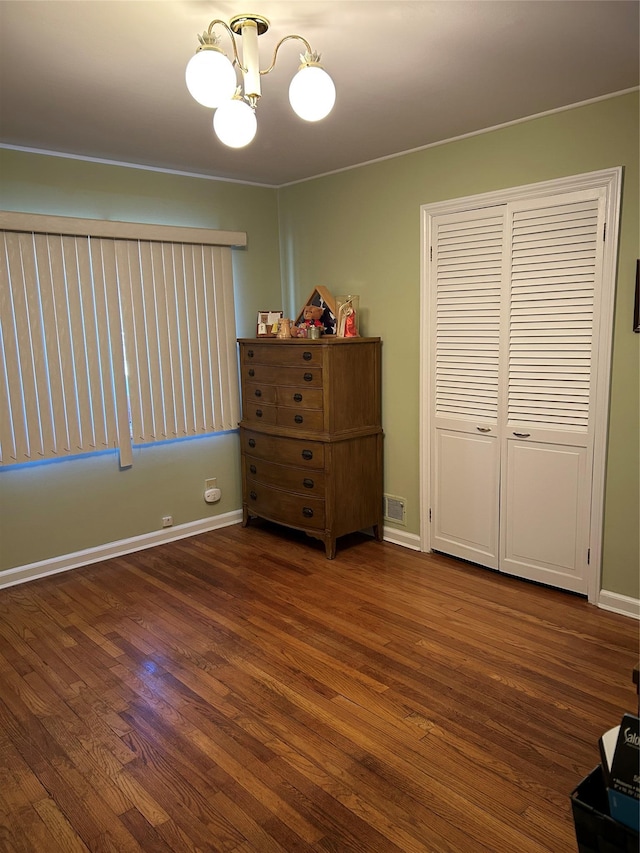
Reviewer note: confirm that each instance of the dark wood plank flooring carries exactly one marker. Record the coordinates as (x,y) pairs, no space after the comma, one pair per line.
(236,691)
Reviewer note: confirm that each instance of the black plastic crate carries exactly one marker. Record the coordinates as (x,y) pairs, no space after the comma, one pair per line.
(596,831)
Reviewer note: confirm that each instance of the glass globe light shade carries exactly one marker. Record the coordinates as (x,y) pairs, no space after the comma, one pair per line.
(312,93)
(211,78)
(235,123)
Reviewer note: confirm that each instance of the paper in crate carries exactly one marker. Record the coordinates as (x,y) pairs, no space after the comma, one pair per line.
(624,775)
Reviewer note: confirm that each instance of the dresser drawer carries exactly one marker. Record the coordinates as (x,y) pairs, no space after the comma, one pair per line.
(286,451)
(264,374)
(260,393)
(286,507)
(288,355)
(260,413)
(303,419)
(307,398)
(299,480)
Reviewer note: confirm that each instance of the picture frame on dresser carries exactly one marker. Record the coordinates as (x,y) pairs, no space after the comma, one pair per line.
(267,323)
(320,297)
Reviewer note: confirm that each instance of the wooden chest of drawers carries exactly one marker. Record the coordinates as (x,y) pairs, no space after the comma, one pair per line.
(311,435)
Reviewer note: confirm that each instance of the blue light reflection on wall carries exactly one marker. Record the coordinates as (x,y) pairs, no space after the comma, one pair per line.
(110,451)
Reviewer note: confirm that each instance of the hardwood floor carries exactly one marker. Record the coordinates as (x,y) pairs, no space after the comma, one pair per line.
(236,691)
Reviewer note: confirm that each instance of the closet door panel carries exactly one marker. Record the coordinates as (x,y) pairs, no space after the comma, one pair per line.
(466,522)
(549,350)
(467,267)
(543,519)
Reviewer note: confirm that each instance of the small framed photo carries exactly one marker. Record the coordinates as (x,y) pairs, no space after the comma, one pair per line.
(267,326)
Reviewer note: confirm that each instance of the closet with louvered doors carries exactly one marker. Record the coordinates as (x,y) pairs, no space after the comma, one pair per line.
(515,294)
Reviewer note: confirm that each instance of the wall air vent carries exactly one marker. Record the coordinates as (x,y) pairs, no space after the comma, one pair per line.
(394,509)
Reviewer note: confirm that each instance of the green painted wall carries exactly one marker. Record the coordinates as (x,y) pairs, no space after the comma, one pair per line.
(359,232)
(50,510)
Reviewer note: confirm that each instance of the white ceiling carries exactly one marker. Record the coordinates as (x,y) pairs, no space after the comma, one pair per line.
(106,79)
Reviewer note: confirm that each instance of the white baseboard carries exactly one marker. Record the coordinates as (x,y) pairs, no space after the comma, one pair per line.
(619,603)
(21,574)
(401,537)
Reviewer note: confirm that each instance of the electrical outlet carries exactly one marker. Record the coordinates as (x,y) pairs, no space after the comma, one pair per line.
(167,521)
(211,483)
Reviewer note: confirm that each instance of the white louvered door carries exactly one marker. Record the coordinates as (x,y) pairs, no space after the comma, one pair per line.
(550,349)
(514,314)
(468,259)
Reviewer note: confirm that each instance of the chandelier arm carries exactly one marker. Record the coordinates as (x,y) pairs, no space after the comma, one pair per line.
(280,43)
(236,58)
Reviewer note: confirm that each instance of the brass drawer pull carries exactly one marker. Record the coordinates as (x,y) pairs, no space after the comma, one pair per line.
(258,392)
(253,496)
(252,372)
(308,377)
(483,429)
(297,398)
(298,419)
(307,454)
(258,413)
(307,512)
(253,469)
(306,355)
(252,442)
(250,353)
(307,483)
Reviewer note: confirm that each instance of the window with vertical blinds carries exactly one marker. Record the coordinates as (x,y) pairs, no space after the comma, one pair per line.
(108,342)
(467,260)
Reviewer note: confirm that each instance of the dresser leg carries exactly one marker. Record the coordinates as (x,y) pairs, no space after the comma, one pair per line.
(377,532)
(330,547)
(245,515)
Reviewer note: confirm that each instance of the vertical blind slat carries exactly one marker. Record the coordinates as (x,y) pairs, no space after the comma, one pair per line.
(30,344)
(204,290)
(230,394)
(186,344)
(195,344)
(58,333)
(12,427)
(88,335)
(45,342)
(114,377)
(174,376)
(161,288)
(134,318)
(153,349)
(103,274)
(78,394)
(210,284)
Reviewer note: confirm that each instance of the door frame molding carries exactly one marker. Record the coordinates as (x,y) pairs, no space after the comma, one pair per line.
(611,181)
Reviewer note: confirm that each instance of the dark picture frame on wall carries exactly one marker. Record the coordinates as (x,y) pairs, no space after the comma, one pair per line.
(636,307)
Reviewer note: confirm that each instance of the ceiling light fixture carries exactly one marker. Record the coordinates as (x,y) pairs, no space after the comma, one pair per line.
(211,80)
